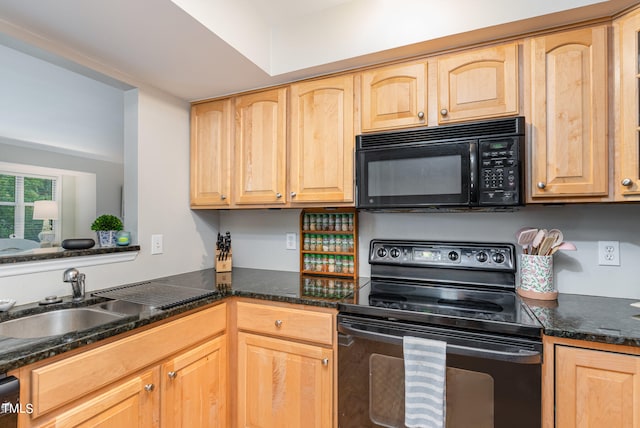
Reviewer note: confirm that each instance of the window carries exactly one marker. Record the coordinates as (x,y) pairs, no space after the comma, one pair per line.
(18,192)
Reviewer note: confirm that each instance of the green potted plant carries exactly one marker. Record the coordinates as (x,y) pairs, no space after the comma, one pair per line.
(106,226)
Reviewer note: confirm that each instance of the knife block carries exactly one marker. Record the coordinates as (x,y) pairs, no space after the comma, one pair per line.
(225,264)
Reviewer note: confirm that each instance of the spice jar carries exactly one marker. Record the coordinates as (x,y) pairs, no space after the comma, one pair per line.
(307,262)
(351,265)
(345,223)
(325,222)
(325,263)
(312,242)
(339,243)
(339,264)
(338,222)
(325,242)
(345,264)
(305,222)
(332,223)
(318,222)
(350,222)
(349,243)
(332,243)
(306,242)
(312,222)
(331,266)
(318,263)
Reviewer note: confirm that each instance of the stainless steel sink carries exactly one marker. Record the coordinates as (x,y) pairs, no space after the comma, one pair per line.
(124,307)
(57,322)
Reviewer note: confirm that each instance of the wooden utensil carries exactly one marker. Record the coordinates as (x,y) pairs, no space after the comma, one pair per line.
(542,233)
(546,246)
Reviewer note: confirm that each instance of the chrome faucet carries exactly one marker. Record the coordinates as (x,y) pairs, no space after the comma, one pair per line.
(76,279)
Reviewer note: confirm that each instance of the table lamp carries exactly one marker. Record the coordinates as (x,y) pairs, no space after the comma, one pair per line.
(46,211)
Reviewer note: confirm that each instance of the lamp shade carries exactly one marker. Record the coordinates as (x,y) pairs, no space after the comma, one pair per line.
(45,210)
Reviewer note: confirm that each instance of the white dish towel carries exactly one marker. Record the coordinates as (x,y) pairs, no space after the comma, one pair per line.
(425,368)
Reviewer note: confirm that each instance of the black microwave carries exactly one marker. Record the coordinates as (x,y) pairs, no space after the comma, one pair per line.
(476,164)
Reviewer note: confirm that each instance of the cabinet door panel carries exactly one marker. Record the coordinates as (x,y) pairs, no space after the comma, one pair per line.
(569,114)
(126,405)
(627,184)
(260,151)
(596,389)
(322,141)
(283,384)
(478,84)
(211,154)
(194,387)
(394,97)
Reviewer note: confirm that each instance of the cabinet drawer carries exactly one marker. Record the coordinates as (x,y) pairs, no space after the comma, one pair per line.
(58,383)
(286,322)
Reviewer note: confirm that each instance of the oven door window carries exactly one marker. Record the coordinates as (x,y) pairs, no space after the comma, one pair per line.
(415,176)
(469,399)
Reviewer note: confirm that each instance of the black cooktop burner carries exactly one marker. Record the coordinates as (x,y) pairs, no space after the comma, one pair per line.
(425,284)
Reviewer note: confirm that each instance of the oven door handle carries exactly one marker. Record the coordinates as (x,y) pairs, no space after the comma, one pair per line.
(521,356)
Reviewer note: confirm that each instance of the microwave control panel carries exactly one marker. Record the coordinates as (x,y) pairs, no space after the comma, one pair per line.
(500,166)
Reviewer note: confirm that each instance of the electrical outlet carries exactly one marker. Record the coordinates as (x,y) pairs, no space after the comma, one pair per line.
(608,253)
(156,244)
(291,240)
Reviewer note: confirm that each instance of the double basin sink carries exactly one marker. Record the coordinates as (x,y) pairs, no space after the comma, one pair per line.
(63,321)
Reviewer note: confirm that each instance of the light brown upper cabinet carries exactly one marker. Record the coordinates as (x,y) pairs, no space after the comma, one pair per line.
(568,115)
(478,84)
(322,141)
(627,57)
(394,96)
(259,172)
(211,154)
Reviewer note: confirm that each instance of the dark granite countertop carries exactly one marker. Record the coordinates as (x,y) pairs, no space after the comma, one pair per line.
(591,318)
(288,287)
(39,254)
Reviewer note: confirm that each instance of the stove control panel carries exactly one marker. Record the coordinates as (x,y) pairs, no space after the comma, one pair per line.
(486,256)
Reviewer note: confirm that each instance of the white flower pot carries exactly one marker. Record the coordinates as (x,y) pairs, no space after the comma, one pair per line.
(107,238)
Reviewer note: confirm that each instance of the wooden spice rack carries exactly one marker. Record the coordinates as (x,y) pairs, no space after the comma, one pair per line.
(350,254)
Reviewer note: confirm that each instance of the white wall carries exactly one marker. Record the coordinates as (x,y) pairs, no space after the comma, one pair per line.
(163,207)
(259,239)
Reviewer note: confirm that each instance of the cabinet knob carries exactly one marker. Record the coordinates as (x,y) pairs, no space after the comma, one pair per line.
(444,112)
(149,387)
(627,182)
(325,361)
(172,375)
(293,194)
(420,115)
(278,195)
(278,323)
(223,197)
(541,185)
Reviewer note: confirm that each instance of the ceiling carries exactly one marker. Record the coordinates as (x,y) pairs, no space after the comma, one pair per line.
(197,49)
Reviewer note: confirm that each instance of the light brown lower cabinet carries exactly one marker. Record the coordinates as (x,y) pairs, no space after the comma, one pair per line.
(173,375)
(285,367)
(590,385)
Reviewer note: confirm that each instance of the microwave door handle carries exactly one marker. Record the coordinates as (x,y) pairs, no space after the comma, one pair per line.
(473,175)
(521,356)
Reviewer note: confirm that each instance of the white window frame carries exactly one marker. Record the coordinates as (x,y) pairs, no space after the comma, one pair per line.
(20,172)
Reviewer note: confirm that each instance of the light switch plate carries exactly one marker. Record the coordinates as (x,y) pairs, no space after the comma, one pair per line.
(156,244)
(292,239)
